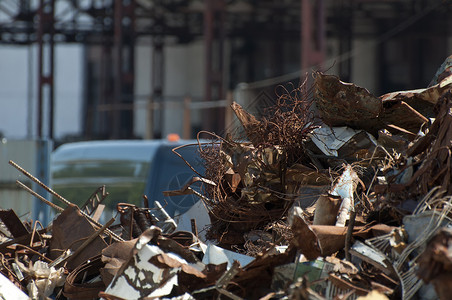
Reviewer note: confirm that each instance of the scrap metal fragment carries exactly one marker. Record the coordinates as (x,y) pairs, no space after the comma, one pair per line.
(72,221)
(59,197)
(345,187)
(401,118)
(305,239)
(253,127)
(84,281)
(73,254)
(113,257)
(435,169)
(331,140)
(435,263)
(373,256)
(332,238)
(345,104)
(342,103)
(13,223)
(152,267)
(326,209)
(93,202)
(9,291)
(217,256)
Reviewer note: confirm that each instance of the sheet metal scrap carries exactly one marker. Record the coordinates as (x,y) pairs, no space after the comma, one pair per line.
(345,104)
(436,148)
(157,267)
(435,263)
(13,223)
(257,183)
(140,277)
(424,100)
(253,192)
(84,282)
(71,220)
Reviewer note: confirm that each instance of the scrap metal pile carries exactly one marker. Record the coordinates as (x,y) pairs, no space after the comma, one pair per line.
(343,195)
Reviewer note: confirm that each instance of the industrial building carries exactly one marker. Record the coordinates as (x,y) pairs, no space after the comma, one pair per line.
(149,68)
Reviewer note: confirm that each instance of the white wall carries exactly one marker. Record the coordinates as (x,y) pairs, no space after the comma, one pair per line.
(143,58)
(364,67)
(184,74)
(14,88)
(68,89)
(13,91)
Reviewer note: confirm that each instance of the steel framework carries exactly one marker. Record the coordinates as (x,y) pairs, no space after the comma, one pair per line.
(117,24)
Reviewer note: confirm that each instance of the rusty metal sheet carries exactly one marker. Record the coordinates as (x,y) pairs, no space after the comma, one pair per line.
(435,263)
(345,104)
(13,223)
(305,239)
(341,103)
(444,71)
(69,231)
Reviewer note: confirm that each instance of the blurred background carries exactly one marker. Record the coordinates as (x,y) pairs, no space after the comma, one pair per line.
(75,70)
(109,69)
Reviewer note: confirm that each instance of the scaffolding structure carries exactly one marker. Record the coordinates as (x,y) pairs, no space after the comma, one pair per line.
(116,25)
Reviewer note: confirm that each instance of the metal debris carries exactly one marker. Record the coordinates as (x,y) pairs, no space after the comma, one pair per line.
(352,203)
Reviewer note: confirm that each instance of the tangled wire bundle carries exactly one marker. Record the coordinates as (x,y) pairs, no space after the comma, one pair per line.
(282,130)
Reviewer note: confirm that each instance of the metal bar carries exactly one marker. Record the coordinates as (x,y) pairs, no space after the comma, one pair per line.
(194,227)
(117,63)
(91,238)
(85,243)
(50,78)
(13,223)
(93,201)
(115,236)
(348,236)
(53,205)
(39,38)
(187,119)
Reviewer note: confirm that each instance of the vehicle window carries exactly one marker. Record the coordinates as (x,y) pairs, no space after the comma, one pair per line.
(124,180)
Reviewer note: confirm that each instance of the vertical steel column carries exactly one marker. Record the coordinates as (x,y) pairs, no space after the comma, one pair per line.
(46,13)
(312,34)
(128,68)
(158,75)
(41,211)
(345,38)
(123,61)
(214,35)
(117,69)
(45,33)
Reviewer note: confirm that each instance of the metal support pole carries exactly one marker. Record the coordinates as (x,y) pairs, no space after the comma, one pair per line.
(123,61)
(345,39)
(157,83)
(117,62)
(44,146)
(214,35)
(312,45)
(46,47)
(41,211)
(187,119)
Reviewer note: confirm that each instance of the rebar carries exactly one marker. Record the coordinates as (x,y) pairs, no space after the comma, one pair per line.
(36,180)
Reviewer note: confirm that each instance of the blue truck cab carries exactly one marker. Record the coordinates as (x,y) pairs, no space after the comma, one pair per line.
(129,169)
